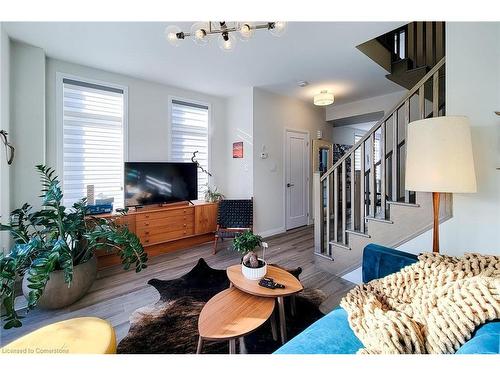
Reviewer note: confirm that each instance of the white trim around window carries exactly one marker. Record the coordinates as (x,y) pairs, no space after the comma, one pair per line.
(172,98)
(59,107)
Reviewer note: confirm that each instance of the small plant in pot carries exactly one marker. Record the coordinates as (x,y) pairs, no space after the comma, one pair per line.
(212,195)
(252,267)
(54,251)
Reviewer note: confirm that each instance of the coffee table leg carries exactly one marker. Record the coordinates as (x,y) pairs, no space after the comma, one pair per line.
(232,346)
(281,309)
(200,345)
(274,327)
(293,306)
(243,348)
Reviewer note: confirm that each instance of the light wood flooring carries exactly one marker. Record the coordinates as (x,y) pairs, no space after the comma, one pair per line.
(117,293)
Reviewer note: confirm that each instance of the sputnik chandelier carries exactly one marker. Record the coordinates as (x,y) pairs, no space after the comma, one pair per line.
(201,32)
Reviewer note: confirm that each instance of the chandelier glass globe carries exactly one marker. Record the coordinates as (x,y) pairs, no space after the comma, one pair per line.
(246,30)
(278,28)
(172,35)
(227,42)
(199,33)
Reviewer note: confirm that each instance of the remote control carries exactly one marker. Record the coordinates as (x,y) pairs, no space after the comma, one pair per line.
(268,282)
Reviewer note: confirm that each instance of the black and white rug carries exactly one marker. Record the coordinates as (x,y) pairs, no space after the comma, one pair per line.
(170,326)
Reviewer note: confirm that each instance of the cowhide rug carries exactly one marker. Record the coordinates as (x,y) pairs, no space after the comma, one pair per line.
(171,324)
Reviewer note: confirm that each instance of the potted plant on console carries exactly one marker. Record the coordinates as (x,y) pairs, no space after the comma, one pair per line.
(54,251)
(252,267)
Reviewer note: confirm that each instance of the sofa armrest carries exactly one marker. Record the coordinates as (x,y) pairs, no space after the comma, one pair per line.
(380,261)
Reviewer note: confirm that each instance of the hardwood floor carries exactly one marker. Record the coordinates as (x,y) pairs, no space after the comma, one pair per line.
(117,293)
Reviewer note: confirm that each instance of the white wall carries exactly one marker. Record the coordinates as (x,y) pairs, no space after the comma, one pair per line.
(272,114)
(27,116)
(344,135)
(148,121)
(473,90)
(5,125)
(377,103)
(239,128)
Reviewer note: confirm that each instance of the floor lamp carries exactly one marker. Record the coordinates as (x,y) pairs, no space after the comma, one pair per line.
(439,160)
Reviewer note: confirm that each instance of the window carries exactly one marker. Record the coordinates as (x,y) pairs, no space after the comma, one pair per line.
(93,141)
(189,133)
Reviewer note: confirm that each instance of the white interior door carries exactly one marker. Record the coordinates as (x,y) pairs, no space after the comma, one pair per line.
(296,179)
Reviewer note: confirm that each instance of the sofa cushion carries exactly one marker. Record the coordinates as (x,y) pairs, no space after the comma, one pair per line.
(380,261)
(486,340)
(329,335)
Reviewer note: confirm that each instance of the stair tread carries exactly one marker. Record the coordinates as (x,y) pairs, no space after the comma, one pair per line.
(376,218)
(340,244)
(358,233)
(397,203)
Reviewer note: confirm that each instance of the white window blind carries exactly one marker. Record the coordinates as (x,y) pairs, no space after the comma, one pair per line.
(189,133)
(93,121)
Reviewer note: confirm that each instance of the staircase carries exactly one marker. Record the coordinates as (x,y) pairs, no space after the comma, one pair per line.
(409,52)
(361,198)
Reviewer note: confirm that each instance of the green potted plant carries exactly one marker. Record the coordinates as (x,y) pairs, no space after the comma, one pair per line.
(54,251)
(252,267)
(212,195)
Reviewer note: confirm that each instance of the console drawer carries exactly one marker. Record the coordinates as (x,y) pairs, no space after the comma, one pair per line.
(164,228)
(151,239)
(186,211)
(163,222)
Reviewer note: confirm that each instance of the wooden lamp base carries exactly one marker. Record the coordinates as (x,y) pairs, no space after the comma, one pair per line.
(435,233)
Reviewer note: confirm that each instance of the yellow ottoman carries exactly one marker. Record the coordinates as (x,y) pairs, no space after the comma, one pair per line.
(72,336)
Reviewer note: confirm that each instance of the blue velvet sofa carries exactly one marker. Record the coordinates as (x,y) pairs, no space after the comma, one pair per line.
(332,334)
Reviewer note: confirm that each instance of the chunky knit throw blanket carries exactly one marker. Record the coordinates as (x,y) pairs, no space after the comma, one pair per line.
(432,306)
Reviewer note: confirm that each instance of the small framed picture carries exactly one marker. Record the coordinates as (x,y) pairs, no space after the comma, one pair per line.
(237,150)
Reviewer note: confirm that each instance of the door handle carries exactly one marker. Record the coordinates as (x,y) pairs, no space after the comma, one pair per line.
(289,185)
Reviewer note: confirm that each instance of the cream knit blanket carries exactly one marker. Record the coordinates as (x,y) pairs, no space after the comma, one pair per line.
(432,306)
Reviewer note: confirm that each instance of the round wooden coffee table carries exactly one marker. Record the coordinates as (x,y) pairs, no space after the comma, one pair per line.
(232,314)
(291,283)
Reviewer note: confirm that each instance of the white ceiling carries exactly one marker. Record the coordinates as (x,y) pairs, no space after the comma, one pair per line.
(322,53)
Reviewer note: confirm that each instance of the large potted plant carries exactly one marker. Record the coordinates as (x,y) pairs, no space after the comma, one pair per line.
(252,267)
(54,251)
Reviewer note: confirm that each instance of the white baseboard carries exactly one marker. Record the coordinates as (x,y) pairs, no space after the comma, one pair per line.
(272,232)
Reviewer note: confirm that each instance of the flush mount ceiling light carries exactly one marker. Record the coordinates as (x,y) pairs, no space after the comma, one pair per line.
(201,32)
(324,98)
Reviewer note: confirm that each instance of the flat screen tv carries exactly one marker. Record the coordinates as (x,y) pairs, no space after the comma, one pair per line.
(157,183)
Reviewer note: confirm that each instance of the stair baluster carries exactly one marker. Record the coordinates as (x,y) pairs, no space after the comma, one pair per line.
(372,177)
(395,157)
(435,94)
(335,205)
(353,191)
(362,195)
(328,214)
(344,202)
(407,121)
(383,156)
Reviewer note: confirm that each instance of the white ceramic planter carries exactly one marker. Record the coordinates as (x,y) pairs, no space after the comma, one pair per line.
(254,273)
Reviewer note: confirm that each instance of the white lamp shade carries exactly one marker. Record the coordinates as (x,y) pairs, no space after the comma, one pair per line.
(439,156)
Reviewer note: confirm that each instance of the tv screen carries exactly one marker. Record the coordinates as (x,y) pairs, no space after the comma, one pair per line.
(155,183)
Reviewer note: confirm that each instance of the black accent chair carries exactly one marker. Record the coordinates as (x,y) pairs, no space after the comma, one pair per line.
(234,216)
